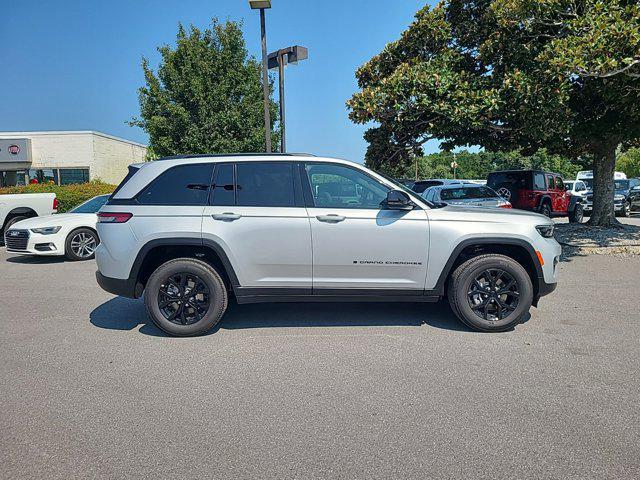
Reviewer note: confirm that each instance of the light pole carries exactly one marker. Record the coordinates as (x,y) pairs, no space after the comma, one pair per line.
(262,5)
(279,60)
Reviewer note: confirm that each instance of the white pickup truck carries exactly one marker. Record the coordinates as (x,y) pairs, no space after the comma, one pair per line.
(16,207)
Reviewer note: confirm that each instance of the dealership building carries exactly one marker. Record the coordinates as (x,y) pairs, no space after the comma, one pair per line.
(65,157)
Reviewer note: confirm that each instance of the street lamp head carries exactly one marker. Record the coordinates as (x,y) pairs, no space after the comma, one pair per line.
(259,4)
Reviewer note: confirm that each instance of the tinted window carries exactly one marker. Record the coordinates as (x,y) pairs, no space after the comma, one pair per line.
(92,205)
(69,176)
(181,185)
(538,182)
(337,186)
(552,183)
(223,188)
(510,180)
(265,184)
(559,183)
(421,186)
(569,185)
(467,193)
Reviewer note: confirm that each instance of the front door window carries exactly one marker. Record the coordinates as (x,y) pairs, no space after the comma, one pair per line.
(339,186)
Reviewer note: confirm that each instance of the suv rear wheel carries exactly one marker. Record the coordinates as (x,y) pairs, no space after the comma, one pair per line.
(490,293)
(185,297)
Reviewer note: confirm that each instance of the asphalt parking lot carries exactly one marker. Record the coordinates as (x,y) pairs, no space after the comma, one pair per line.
(91,389)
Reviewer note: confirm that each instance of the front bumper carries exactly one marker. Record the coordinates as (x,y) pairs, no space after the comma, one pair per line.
(28,243)
(618,205)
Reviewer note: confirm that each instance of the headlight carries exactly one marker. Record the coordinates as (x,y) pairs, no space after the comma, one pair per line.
(46,230)
(618,197)
(546,230)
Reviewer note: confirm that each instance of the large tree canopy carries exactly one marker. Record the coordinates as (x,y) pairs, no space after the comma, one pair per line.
(207,96)
(509,74)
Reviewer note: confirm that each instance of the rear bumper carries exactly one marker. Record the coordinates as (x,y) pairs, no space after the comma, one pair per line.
(117,286)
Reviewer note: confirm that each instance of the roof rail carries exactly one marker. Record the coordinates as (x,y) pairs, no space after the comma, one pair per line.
(216,155)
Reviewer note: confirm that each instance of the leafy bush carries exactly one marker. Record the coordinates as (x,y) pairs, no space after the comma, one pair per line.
(69,196)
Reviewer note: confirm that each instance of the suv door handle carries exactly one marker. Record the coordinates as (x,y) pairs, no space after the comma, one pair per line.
(226,216)
(331,218)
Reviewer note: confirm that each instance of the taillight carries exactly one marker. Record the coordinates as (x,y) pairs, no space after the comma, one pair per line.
(111,217)
(55,204)
(506,205)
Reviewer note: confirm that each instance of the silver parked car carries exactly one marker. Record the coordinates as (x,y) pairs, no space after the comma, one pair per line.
(467,195)
(190,232)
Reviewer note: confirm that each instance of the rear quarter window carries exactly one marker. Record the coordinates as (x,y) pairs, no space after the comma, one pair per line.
(181,185)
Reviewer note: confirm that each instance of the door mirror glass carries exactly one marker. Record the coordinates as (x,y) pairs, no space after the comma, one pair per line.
(398,200)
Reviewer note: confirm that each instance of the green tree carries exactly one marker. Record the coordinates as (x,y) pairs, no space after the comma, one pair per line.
(629,162)
(206,97)
(511,74)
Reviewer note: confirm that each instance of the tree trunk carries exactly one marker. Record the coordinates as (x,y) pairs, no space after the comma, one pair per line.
(604,165)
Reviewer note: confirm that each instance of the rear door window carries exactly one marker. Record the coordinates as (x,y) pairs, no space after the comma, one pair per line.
(223,190)
(182,185)
(552,183)
(265,184)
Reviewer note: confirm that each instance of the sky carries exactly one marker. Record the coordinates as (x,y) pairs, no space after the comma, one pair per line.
(75,65)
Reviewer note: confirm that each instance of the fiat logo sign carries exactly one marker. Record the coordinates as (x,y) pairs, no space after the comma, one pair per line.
(13,149)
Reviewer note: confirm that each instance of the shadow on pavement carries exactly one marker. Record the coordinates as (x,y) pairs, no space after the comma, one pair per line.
(127,314)
(33,259)
(121,313)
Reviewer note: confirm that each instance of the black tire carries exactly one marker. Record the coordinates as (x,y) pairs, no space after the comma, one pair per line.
(545,209)
(214,294)
(81,244)
(460,288)
(577,214)
(626,209)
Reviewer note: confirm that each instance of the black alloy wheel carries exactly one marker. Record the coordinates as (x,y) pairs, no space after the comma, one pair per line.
(184,298)
(490,292)
(493,294)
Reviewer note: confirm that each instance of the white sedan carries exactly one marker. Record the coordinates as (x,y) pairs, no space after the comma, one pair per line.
(72,234)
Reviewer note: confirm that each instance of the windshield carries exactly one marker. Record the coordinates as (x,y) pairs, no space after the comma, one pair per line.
(568,185)
(622,184)
(467,193)
(92,205)
(589,183)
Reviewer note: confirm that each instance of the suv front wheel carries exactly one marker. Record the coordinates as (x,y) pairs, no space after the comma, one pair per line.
(490,293)
(185,297)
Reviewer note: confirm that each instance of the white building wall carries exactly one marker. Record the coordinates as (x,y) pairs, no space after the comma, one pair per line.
(106,157)
(112,157)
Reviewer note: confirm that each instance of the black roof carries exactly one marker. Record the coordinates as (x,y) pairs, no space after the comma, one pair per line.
(214,155)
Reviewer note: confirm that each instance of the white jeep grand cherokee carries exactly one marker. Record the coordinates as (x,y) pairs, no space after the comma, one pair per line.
(190,231)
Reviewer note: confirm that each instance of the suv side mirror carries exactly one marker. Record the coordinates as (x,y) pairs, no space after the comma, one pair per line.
(398,200)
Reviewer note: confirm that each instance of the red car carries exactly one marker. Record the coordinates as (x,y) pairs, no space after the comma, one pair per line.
(536,191)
